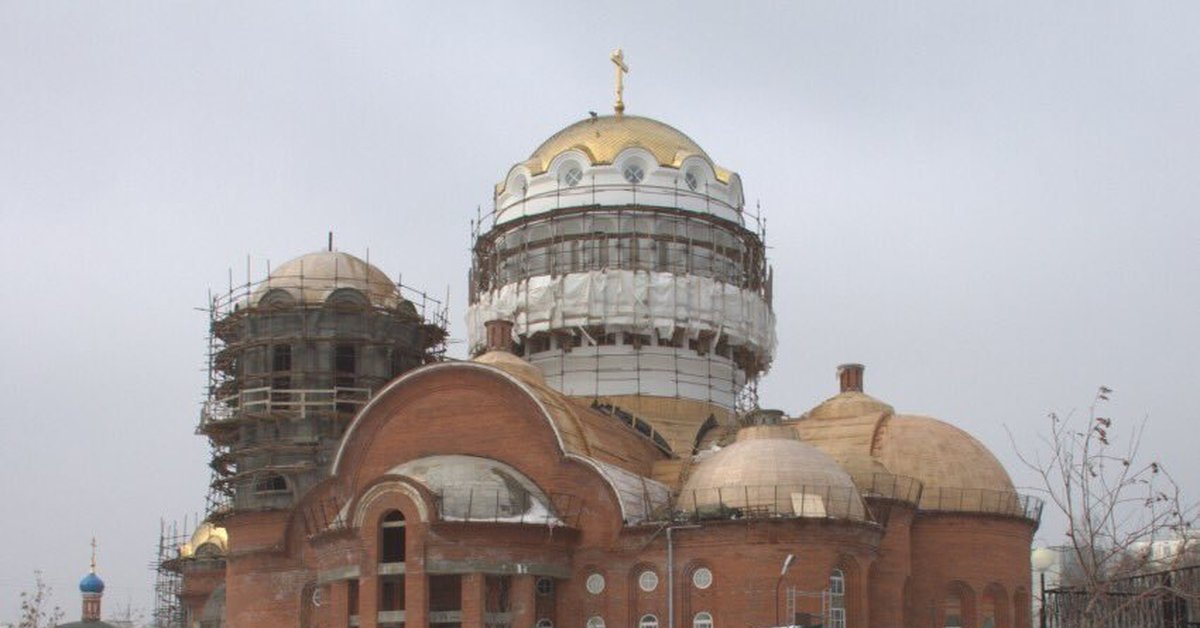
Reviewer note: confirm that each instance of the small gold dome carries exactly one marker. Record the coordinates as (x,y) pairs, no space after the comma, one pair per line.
(208,541)
(311,278)
(604,137)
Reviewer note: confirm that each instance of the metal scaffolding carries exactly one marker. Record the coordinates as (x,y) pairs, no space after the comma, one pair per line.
(287,373)
(168,578)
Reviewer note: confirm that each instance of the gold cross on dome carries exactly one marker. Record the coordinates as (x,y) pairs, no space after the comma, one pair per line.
(618,59)
(93,554)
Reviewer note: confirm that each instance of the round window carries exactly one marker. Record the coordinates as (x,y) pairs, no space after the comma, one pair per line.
(648,621)
(545,586)
(691,180)
(572,176)
(648,581)
(633,172)
(595,621)
(595,584)
(702,578)
(545,623)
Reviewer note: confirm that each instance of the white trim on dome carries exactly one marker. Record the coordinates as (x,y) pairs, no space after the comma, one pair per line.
(606,185)
(706,177)
(577,157)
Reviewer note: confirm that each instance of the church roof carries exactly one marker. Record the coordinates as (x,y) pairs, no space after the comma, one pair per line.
(310,279)
(622,456)
(602,138)
(866,436)
(764,467)
(582,430)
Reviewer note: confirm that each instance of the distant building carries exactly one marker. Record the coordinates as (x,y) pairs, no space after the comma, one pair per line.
(91,589)
(600,462)
(1176,549)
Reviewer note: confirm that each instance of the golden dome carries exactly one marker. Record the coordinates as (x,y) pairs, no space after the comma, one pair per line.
(766,468)
(310,279)
(208,541)
(604,137)
(940,455)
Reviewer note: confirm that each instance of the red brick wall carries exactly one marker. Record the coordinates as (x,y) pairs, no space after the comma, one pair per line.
(472,412)
(967,553)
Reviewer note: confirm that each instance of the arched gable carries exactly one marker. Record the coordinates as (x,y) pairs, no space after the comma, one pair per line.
(412,416)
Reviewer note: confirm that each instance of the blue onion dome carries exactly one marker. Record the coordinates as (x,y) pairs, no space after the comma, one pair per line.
(91,583)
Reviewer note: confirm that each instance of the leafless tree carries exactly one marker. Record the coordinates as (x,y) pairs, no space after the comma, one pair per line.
(1115,505)
(127,616)
(36,609)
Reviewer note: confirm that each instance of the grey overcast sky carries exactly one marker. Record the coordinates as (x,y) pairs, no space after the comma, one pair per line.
(992,205)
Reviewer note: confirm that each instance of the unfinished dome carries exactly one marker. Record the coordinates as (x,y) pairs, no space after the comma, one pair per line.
(469,488)
(845,428)
(208,541)
(513,365)
(769,471)
(293,359)
(879,447)
(941,455)
(313,278)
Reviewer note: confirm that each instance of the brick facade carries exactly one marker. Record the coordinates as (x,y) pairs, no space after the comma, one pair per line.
(902,567)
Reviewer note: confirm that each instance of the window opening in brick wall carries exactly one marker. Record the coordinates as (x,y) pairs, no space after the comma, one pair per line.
(392,538)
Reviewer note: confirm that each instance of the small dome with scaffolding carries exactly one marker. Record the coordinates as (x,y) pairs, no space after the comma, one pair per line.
(314,278)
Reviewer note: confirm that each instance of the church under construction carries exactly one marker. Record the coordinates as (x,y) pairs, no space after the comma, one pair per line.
(601,460)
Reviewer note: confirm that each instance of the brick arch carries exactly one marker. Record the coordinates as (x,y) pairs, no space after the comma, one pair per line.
(693,600)
(994,602)
(856,589)
(371,417)
(640,602)
(413,503)
(1022,608)
(559,435)
(367,513)
(962,593)
(594,604)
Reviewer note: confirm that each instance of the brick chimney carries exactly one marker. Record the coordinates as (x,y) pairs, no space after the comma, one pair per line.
(499,335)
(850,377)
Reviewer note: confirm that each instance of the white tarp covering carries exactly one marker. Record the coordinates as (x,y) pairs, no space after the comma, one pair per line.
(624,370)
(629,300)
